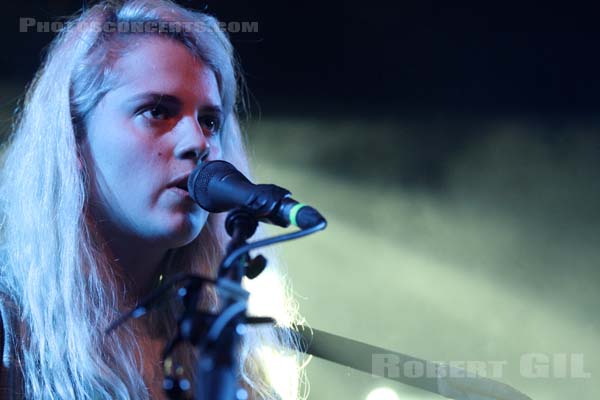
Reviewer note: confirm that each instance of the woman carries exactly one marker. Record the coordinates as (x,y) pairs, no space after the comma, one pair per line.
(95,212)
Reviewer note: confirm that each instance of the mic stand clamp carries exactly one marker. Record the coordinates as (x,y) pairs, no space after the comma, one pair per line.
(241,224)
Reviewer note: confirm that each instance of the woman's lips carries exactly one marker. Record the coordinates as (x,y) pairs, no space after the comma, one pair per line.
(181,182)
(180,191)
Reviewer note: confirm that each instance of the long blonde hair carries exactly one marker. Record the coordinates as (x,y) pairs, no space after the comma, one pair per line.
(53,267)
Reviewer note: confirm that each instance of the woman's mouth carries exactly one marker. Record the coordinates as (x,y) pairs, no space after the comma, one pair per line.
(179,190)
(180,183)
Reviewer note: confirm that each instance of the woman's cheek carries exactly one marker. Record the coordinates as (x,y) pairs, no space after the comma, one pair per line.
(216,150)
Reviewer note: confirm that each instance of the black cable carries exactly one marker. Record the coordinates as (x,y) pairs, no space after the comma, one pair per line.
(142,307)
(226,264)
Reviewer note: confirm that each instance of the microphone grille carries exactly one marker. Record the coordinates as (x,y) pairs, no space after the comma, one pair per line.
(202,176)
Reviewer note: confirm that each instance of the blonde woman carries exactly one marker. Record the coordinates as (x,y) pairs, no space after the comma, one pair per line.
(94,209)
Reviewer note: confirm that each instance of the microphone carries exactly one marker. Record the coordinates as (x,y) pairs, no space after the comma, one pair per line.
(217,186)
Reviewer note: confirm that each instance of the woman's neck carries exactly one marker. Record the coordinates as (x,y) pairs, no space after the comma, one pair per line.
(136,262)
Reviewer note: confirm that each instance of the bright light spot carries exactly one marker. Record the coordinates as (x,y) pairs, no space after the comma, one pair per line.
(241,394)
(268,297)
(282,372)
(382,393)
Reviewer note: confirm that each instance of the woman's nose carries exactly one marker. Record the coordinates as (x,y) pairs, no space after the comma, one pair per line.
(191,144)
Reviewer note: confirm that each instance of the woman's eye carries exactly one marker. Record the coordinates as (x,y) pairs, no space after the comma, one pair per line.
(156,112)
(213,124)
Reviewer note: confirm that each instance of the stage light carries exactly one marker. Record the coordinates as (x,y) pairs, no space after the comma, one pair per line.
(382,393)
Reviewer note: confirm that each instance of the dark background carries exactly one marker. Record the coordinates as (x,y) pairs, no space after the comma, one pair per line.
(416,56)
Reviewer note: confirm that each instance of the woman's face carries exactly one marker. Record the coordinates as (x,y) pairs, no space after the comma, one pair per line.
(145,137)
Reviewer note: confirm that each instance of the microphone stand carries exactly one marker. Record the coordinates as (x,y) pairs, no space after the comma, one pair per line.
(216,336)
(217,372)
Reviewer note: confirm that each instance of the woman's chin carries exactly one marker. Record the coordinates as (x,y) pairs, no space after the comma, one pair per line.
(184,228)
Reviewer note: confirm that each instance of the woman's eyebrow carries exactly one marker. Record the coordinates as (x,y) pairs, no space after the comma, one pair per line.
(211,109)
(158,98)
(163,98)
